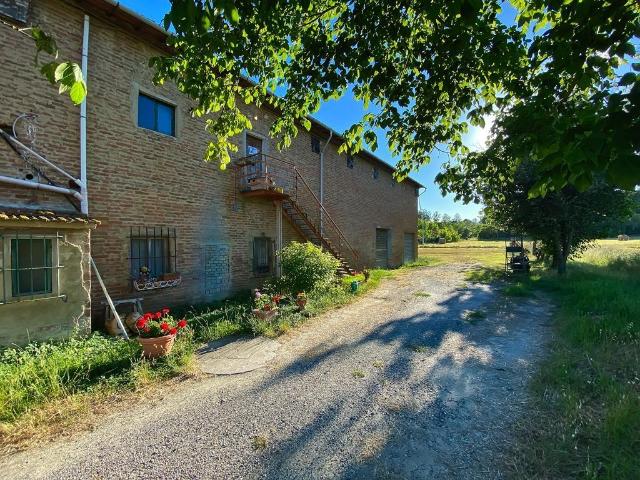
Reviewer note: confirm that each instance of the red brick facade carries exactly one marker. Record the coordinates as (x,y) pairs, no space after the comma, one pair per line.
(141,178)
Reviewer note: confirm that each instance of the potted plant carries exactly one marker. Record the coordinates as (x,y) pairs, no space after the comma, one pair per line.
(144,274)
(157,332)
(366,274)
(266,306)
(301,300)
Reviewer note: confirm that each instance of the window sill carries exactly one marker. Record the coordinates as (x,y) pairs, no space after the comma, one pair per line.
(156,132)
(141,286)
(32,298)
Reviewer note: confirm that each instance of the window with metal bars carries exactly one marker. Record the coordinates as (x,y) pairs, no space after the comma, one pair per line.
(152,252)
(315,144)
(262,255)
(29,267)
(350,161)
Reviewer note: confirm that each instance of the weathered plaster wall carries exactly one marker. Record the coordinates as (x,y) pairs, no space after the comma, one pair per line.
(42,319)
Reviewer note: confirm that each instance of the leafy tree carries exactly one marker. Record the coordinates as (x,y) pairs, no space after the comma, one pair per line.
(432,226)
(422,64)
(425,66)
(632,225)
(565,219)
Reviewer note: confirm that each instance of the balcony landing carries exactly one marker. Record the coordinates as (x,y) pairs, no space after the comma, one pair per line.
(268,193)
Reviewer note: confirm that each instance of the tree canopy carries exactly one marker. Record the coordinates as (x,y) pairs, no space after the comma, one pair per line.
(423,71)
(566,218)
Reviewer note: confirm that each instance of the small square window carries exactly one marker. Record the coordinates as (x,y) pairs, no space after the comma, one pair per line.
(375,173)
(156,115)
(350,161)
(262,255)
(315,144)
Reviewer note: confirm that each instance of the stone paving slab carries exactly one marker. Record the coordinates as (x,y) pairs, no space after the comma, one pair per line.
(230,356)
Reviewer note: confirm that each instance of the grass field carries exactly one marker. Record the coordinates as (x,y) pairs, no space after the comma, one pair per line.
(489,253)
(584,418)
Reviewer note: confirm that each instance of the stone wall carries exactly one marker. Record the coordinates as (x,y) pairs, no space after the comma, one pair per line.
(53,317)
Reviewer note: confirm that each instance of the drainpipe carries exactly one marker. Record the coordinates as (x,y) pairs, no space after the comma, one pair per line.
(39,186)
(322,181)
(278,237)
(84,202)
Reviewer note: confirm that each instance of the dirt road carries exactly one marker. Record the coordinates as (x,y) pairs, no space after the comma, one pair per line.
(421,378)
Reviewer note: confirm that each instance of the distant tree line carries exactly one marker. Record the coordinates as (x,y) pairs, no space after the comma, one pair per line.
(433,226)
(632,226)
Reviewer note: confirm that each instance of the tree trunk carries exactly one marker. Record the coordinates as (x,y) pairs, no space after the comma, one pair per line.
(562,264)
(557,254)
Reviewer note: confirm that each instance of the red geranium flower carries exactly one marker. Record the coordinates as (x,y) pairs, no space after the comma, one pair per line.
(158,315)
(182,323)
(276,299)
(173,331)
(164,326)
(165,311)
(141,323)
(146,329)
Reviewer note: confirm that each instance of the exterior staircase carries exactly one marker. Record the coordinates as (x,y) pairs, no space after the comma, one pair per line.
(261,175)
(305,227)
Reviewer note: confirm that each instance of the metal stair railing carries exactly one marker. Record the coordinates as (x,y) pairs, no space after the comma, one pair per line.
(262,171)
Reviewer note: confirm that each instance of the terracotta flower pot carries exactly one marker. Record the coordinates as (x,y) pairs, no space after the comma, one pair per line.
(157,346)
(264,314)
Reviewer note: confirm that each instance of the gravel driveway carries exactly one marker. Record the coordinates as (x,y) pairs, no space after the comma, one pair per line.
(406,382)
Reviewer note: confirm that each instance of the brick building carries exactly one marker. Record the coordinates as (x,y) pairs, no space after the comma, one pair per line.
(174,229)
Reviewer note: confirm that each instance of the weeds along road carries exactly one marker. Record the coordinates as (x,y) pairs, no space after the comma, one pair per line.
(420,378)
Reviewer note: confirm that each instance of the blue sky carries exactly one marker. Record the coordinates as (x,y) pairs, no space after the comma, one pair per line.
(341,114)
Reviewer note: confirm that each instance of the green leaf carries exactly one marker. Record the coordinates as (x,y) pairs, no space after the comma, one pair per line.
(372,139)
(78,92)
(306,123)
(44,43)
(49,71)
(627,79)
(231,12)
(69,77)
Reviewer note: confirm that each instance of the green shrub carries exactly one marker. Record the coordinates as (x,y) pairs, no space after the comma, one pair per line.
(306,267)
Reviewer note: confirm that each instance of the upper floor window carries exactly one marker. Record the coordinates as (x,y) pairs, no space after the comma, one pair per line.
(350,161)
(156,115)
(375,173)
(315,144)
(254,145)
